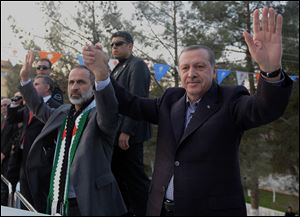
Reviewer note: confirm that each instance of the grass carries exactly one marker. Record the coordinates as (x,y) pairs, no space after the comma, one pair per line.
(282,201)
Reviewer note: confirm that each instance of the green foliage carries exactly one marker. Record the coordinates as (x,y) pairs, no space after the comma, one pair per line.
(282,201)
(286,141)
(164,20)
(290,58)
(13,80)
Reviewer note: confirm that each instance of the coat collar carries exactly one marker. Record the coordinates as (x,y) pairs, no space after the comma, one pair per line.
(120,67)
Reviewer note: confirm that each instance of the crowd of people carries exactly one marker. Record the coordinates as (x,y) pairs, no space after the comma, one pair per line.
(86,157)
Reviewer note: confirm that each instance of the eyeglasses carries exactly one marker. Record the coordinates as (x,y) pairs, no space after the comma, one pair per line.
(42,68)
(118,43)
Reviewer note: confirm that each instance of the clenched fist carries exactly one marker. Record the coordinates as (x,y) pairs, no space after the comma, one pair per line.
(97,61)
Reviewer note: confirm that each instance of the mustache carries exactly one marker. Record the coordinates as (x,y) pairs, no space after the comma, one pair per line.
(80,97)
(193,81)
(75,94)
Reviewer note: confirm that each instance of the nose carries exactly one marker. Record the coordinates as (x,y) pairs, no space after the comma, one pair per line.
(191,73)
(75,86)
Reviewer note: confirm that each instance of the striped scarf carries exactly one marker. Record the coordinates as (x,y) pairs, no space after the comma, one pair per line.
(68,140)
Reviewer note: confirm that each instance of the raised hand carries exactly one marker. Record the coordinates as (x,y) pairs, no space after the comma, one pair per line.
(265,45)
(124,141)
(27,66)
(96,60)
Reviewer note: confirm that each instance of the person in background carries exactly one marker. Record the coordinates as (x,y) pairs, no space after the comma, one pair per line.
(289,212)
(31,129)
(127,163)
(6,132)
(44,67)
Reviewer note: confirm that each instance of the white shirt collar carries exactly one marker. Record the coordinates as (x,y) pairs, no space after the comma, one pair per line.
(46,98)
(192,103)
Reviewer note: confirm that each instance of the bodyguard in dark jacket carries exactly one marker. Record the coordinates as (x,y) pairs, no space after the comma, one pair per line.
(133,74)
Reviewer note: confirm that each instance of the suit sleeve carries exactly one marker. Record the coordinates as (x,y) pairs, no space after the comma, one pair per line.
(6,136)
(139,78)
(36,103)
(107,112)
(266,105)
(15,115)
(136,107)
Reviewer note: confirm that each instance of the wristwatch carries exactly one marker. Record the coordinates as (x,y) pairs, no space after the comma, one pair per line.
(271,74)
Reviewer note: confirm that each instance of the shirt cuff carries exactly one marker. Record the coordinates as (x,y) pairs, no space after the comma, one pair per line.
(100,85)
(23,83)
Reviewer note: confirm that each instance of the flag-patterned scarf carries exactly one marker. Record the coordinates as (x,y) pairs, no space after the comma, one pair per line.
(68,140)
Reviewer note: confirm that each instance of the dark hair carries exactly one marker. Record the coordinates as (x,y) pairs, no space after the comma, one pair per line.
(46,80)
(128,38)
(211,54)
(92,76)
(47,60)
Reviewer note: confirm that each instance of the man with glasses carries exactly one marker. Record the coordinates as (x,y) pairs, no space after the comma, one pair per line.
(5,102)
(10,134)
(44,68)
(4,147)
(127,164)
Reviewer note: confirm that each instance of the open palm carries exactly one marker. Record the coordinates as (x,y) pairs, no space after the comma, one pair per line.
(27,66)
(266,44)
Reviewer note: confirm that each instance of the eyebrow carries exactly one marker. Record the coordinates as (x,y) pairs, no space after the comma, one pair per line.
(79,80)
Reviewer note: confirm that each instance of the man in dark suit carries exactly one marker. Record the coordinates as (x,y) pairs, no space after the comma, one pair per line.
(127,164)
(31,129)
(200,126)
(8,134)
(79,180)
(44,68)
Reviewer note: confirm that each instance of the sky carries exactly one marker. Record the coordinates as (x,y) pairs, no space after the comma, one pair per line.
(28,16)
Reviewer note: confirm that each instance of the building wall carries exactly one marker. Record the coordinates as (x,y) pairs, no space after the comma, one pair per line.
(6,67)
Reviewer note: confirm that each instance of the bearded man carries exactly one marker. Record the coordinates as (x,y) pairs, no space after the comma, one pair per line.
(69,164)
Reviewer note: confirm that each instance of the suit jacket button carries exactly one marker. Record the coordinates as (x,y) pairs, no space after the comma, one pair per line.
(208,106)
(177,163)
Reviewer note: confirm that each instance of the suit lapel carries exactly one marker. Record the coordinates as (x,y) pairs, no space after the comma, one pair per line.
(178,117)
(120,68)
(208,105)
(116,74)
(25,119)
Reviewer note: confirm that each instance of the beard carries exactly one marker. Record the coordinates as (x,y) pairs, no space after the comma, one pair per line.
(84,97)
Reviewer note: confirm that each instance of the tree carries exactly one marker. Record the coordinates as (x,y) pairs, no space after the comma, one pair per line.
(165,21)
(290,58)
(93,22)
(285,158)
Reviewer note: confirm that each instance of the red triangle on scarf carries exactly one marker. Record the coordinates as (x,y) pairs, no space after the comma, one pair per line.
(64,134)
(74,131)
